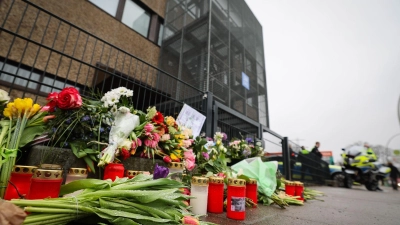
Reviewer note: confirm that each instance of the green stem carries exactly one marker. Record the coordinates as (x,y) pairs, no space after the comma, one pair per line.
(50,210)
(62,219)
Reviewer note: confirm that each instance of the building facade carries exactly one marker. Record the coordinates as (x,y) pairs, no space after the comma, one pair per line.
(204,53)
(46,45)
(217,46)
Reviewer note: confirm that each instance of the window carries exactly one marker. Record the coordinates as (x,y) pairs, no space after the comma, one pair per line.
(136,15)
(31,80)
(110,6)
(160,34)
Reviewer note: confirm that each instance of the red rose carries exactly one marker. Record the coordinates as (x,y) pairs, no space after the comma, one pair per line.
(52,100)
(158,118)
(69,98)
(125,154)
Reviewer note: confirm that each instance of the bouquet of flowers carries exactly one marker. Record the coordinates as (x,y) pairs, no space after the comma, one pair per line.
(243,149)
(22,123)
(211,154)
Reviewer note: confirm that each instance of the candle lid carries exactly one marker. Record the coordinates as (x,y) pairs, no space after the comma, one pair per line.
(298,183)
(216,180)
(202,181)
(47,174)
(236,182)
(77,171)
(24,169)
(175,165)
(134,172)
(50,166)
(251,181)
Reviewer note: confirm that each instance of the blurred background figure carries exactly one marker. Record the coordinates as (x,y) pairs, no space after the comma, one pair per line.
(394,174)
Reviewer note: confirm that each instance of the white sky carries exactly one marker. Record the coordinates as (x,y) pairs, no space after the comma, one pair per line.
(333,70)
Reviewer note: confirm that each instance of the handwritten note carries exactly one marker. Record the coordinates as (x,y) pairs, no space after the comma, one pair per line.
(192,119)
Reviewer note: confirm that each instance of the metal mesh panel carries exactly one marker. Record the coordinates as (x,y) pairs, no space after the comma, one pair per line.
(235,127)
(235,46)
(41,52)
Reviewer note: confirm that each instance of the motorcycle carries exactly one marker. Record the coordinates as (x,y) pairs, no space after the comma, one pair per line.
(361,168)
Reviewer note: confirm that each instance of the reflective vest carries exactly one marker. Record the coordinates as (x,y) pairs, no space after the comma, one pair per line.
(305,152)
(371,154)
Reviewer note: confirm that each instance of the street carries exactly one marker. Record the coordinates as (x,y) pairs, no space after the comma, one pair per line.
(340,206)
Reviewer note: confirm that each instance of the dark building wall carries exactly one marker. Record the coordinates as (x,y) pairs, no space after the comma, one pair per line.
(212,50)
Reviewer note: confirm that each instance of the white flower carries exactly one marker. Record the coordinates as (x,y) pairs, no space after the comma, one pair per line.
(4,96)
(114,109)
(218,136)
(126,144)
(123,109)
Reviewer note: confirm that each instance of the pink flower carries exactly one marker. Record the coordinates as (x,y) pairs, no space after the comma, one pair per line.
(189,220)
(167,159)
(148,127)
(150,143)
(189,164)
(49,117)
(221,175)
(206,155)
(188,155)
(45,108)
(186,143)
(156,137)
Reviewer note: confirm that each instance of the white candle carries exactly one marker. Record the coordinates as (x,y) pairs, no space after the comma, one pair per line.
(199,190)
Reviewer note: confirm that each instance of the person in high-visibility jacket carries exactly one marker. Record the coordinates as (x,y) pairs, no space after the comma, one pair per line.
(370,153)
(304,151)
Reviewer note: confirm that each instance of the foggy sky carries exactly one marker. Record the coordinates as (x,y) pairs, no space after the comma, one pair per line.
(333,70)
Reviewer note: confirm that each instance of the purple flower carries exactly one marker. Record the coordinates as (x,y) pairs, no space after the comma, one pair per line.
(205,155)
(85,118)
(209,139)
(249,140)
(160,172)
(224,136)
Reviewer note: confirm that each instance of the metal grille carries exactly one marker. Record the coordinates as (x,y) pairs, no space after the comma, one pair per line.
(41,52)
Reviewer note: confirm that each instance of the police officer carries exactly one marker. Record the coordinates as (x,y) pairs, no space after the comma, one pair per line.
(370,153)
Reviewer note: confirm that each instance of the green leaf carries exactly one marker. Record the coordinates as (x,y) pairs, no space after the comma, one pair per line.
(90,163)
(85,184)
(29,134)
(117,213)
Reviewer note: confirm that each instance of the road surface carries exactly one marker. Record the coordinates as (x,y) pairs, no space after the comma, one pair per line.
(340,206)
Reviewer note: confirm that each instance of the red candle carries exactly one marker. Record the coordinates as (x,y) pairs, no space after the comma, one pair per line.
(45,184)
(21,178)
(236,202)
(251,190)
(215,203)
(289,188)
(299,190)
(113,170)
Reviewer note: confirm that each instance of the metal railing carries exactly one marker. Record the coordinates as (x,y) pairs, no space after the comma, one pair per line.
(41,52)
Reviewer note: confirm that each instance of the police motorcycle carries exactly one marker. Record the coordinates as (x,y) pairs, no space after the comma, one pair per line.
(359,167)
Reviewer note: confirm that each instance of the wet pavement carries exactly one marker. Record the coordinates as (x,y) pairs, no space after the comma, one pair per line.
(340,206)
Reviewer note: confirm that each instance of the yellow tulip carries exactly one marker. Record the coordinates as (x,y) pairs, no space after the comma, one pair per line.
(35,108)
(19,105)
(8,111)
(169,120)
(173,157)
